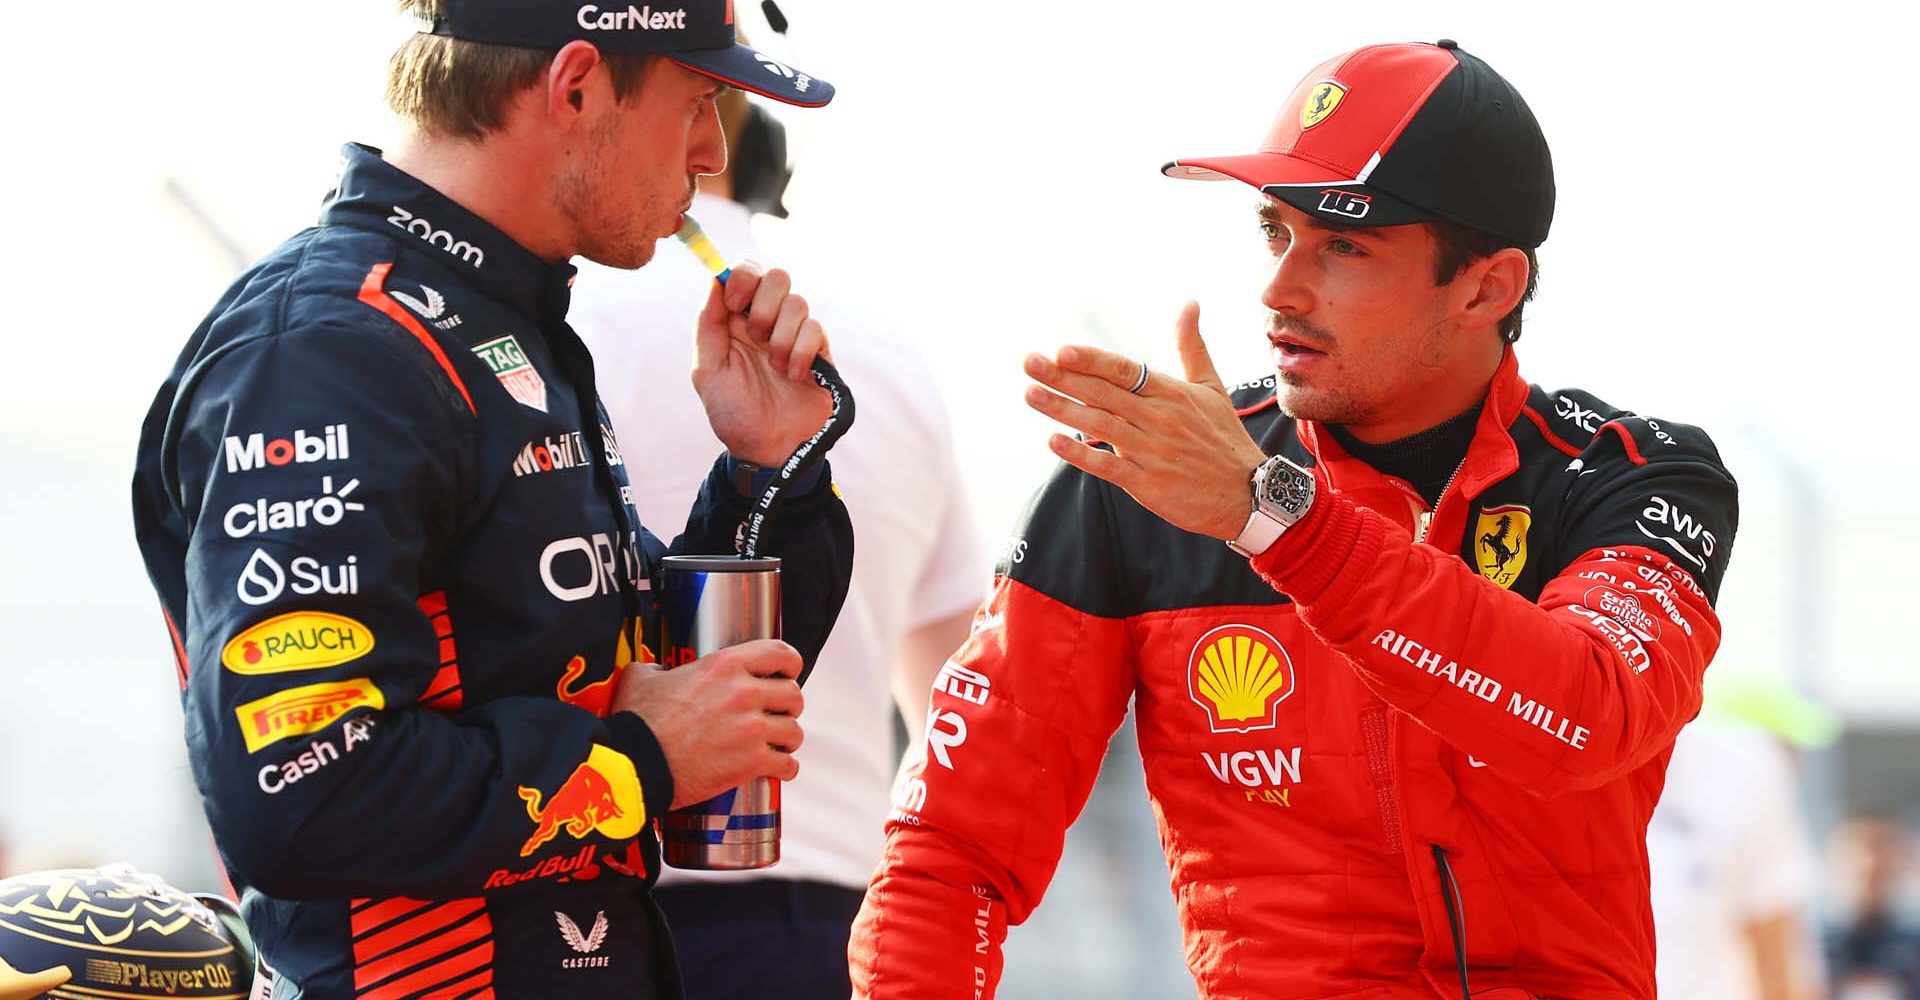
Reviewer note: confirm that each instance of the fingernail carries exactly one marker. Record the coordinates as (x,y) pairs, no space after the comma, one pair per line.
(1072,356)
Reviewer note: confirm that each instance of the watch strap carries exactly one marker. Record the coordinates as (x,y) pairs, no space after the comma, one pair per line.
(1262,530)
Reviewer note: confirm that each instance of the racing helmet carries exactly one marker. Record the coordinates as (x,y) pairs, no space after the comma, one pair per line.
(115,931)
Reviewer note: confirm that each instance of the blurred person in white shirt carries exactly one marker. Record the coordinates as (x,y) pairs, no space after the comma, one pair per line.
(919,572)
(1734,871)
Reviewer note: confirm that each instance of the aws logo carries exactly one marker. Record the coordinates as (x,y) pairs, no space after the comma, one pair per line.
(1239,675)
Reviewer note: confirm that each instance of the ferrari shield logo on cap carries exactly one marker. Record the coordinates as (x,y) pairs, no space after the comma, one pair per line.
(1321,100)
(1500,542)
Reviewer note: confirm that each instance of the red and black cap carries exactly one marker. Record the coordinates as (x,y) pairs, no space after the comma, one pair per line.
(697,34)
(1395,134)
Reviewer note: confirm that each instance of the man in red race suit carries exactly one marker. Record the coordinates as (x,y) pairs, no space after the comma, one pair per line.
(1404,730)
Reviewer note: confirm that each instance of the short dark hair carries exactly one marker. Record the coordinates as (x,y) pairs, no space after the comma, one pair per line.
(1456,246)
(454,87)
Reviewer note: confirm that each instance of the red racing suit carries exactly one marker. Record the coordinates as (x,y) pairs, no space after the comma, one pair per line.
(1396,737)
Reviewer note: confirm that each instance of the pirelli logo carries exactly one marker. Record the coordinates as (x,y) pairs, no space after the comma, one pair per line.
(303,710)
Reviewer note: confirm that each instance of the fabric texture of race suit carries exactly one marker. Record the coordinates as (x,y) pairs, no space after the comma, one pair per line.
(1388,707)
(392,533)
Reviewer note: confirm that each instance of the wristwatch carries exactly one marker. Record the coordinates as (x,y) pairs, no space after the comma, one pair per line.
(1282,494)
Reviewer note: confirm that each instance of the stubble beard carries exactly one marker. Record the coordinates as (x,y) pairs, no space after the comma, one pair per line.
(1320,404)
(1313,399)
(582,195)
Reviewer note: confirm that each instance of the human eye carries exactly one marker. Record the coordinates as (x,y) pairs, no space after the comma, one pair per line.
(1272,232)
(1342,247)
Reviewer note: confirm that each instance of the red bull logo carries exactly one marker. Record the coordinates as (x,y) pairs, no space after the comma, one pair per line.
(601,796)
(1239,675)
(596,697)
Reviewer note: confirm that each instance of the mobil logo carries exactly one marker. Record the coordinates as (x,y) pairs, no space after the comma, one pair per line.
(252,451)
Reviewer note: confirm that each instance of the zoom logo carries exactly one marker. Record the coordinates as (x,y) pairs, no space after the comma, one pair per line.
(403,219)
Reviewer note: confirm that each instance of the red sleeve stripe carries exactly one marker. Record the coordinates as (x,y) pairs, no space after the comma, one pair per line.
(1540,422)
(443,694)
(1627,442)
(179,648)
(374,293)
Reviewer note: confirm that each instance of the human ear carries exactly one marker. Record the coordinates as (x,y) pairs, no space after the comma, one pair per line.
(571,80)
(1498,282)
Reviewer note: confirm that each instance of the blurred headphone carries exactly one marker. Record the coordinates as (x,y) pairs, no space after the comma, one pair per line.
(759,145)
(759,163)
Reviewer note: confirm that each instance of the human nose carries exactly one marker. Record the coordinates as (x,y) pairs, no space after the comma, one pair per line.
(1289,288)
(707,153)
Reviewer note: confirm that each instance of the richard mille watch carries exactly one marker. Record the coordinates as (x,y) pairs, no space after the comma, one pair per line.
(1282,493)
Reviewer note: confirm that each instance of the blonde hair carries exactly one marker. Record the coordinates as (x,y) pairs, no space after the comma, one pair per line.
(454,87)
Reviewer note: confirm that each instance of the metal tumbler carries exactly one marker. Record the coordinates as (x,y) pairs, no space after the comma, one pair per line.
(709,603)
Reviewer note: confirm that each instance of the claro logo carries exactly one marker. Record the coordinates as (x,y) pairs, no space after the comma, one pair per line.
(403,219)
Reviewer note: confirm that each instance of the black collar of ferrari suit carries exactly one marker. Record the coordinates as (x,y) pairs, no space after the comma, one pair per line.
(377,196)
(1490,457)
(1426,460)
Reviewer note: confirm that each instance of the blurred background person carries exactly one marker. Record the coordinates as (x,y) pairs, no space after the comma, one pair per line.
(919,572)
(1875,949)
(1734,873)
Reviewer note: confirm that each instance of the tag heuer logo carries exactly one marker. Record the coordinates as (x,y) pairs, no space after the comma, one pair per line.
(509,364)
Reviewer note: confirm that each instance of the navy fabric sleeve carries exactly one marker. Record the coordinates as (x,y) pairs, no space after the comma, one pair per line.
(812,535)
(320,470)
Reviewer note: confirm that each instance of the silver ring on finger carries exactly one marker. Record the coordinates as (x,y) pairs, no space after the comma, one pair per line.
(1141,382)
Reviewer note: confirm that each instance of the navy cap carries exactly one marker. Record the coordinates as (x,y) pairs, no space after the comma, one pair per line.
(697,34)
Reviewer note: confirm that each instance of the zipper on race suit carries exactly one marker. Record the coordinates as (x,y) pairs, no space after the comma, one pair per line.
(1423,515)
(1456,915)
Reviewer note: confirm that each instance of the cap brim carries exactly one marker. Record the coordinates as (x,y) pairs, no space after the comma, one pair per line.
(740,66)
(1306,185)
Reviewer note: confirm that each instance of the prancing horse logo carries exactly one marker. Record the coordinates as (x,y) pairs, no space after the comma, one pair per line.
(1321,102)
(1500,543)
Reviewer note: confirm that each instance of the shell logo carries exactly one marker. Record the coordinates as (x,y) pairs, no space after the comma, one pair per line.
(1239,675)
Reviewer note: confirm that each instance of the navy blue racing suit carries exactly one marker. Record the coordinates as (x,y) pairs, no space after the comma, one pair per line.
(390,527)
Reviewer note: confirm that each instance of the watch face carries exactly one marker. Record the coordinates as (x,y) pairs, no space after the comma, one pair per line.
(1288,488)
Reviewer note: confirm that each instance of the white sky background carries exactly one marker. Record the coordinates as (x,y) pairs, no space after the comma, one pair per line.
(1733,248)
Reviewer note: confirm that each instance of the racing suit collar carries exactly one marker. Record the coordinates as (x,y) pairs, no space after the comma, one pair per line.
(377,196)
(1491,457)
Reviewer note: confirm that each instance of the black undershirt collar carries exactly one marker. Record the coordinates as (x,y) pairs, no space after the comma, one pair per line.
(1426,460)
